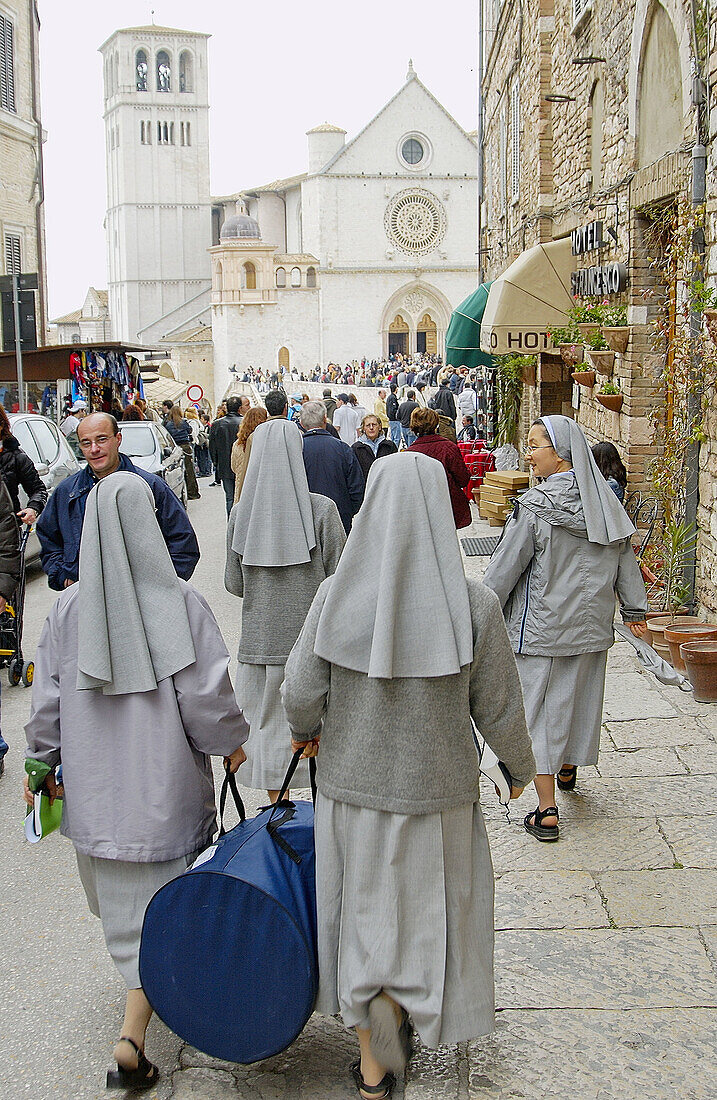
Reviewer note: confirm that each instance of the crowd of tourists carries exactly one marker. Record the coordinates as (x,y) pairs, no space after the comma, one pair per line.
(361,372)
(364,644)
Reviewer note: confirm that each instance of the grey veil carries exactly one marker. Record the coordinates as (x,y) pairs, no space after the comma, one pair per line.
(133,626)
(605,518)
(274,521)
(398,602)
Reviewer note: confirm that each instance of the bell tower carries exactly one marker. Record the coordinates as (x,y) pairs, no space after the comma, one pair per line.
(158,221)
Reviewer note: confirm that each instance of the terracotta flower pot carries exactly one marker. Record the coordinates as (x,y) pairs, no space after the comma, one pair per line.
(584,378)
(572,354)
(586,327)
(611,401)
(603,361)
(687,632)
(701,665)
(617,338)
(657,626)
(664,617)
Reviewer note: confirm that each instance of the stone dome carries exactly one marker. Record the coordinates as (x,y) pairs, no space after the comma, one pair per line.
(240,225)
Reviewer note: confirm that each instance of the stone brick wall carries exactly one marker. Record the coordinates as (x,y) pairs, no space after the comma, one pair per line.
(19,155)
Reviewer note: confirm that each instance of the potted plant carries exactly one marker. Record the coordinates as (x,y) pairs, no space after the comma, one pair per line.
(599,355)
(610,397)
(615,328)
(569,342)
(586,316)
(584,378)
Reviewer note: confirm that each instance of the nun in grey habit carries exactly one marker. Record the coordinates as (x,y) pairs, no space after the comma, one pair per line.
(132,695)
(564,557)
(282,542)
(403,869)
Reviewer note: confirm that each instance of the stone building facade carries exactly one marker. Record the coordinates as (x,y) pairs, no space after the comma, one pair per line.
(593,111)
(22,219)
(365,253)
(158,220)
(90,324)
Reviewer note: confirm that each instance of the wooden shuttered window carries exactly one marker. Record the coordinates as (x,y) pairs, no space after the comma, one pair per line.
(12,254)
(7,67)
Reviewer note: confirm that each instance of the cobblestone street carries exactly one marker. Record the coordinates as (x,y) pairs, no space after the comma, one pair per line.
(606,947)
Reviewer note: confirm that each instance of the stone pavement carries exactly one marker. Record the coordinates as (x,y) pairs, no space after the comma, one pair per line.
(606,943)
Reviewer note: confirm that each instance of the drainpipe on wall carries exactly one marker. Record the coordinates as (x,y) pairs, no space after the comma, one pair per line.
(40,178)
(480,142)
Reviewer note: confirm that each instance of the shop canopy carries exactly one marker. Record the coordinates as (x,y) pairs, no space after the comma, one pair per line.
(463,342)
(532,295)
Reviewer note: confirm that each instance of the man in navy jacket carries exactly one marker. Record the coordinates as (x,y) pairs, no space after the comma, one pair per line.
(332,468)
(59,528)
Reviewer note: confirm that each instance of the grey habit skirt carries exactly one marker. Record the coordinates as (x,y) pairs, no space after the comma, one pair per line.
(563,699)
(118,892)
(268,749)
(405,904)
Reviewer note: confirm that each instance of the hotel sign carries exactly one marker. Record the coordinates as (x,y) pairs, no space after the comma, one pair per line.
(600,279)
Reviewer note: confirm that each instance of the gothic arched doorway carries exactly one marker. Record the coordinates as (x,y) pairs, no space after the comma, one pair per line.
(283,359)
(427,335)
(398,336)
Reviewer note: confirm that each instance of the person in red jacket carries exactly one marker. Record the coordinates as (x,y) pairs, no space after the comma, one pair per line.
(424,423)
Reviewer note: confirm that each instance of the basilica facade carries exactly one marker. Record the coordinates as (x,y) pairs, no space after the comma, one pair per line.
(366,253)
(363,254)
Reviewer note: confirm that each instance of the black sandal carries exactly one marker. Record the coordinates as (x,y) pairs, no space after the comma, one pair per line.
(536,827)
(383,1089)
(145,1076)
(571,771)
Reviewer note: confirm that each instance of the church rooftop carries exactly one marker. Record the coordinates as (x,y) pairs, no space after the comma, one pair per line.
(152,29)
(326,128)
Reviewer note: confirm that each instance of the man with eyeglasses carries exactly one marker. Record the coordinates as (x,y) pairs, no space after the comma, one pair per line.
(60,526)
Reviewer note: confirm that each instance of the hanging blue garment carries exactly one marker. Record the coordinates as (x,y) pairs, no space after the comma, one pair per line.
(228,958)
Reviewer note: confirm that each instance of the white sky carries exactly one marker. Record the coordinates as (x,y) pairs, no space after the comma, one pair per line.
(277,68)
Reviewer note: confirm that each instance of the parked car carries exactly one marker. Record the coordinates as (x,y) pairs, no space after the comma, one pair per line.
(150,446)
(53,458)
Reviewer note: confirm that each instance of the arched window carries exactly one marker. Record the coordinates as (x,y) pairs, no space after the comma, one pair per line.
(141,70)
(164,72)
(186,72)
(295,276)
(281,277)
(219,281)
(249,276)
(311,276)
(660,123)
(115,78)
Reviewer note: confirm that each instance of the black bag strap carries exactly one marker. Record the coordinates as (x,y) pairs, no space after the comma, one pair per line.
(229,784)
(287,807)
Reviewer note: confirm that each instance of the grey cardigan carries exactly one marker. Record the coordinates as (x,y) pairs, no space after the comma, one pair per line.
(136,769)
(557,590)
(276,600)
(406,745)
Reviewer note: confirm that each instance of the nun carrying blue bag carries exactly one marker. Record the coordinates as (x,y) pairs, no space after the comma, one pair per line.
(228,957)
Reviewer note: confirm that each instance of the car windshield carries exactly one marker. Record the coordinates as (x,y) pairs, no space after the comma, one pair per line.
(137,440)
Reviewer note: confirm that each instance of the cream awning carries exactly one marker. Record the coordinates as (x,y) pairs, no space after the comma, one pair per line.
(532,294)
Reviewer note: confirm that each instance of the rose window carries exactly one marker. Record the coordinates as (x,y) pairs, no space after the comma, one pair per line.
(415,221)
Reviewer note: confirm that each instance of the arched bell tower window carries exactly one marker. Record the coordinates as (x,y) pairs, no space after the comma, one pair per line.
(281,278)
(296,276)
(249,276)
(311,276)
(164,72)
(141,70)
(219,282)
(186,72)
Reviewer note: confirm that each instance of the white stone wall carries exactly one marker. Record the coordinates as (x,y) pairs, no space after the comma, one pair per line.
(158,197)
(19,155)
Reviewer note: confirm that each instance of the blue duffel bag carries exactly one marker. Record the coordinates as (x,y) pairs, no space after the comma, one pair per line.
(228,956)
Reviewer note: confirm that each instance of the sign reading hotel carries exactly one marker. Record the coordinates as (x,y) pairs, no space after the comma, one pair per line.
(601,279)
